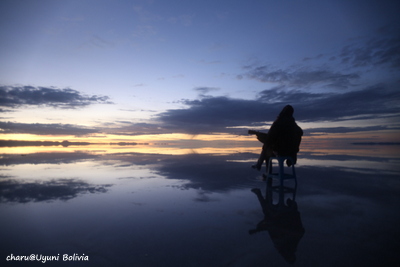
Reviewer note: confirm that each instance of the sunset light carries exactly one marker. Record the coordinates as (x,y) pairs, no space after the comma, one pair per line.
(199,133)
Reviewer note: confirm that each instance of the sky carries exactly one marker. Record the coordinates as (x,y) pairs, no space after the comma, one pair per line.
(205,70)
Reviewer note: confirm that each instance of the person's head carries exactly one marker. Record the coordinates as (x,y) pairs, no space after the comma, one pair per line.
(287,111)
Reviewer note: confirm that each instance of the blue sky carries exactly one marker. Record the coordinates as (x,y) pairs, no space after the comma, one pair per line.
(126,68)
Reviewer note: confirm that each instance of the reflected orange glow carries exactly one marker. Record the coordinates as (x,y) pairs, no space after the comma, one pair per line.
(53,138)
(144,149)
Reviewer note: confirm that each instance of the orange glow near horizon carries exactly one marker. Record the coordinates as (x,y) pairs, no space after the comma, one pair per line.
(156,138)
(143,149)
(186,144)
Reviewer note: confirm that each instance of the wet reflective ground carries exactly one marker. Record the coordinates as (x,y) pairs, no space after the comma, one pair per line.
(127,208)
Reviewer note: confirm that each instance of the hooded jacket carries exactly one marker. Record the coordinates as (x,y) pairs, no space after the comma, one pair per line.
(284,136)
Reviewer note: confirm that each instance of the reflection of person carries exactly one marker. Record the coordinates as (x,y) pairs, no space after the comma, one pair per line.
(283,223)
(282,139)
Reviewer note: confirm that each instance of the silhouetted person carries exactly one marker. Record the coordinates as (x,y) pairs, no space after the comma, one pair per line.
(283,223)
(282,139)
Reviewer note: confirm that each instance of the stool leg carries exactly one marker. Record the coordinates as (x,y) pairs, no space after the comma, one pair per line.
(281,171)
(294,175)
(281,178)
(269,165)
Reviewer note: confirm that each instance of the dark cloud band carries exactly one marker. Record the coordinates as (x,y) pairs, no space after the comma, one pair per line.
(217,114)
(301,77)
(15,96)
(45,129)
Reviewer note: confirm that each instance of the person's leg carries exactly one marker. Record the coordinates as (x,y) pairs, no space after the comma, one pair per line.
(261,159)
(289,162)
(267,154)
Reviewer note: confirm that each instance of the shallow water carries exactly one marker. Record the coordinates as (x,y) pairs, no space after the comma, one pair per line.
(130,208)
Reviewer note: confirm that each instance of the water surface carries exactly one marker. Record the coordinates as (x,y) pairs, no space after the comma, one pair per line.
(158,207)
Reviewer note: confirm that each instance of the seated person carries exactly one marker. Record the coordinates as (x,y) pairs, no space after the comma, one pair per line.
(282,139)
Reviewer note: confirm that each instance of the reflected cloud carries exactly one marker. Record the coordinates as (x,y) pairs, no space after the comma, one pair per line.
(208,172)
(220,172)
(336,204)
(340,156)
(5,176)
(44,158)
(61,189)
(367,163)
(319,181)
(22,143)
(204,197)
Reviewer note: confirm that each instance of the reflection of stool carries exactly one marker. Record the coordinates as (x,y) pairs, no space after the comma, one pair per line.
(280,174)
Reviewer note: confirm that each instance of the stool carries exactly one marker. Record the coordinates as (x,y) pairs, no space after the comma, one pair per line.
(280,174)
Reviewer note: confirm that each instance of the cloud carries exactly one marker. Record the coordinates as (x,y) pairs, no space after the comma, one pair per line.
(213,114)
(207,115)
(203,91)
(383,49)
(280,94)
(325,130)
(347,66)
(374,100)
(217,114)
(138,129)
(15,96)
(45,129)
(302,77)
